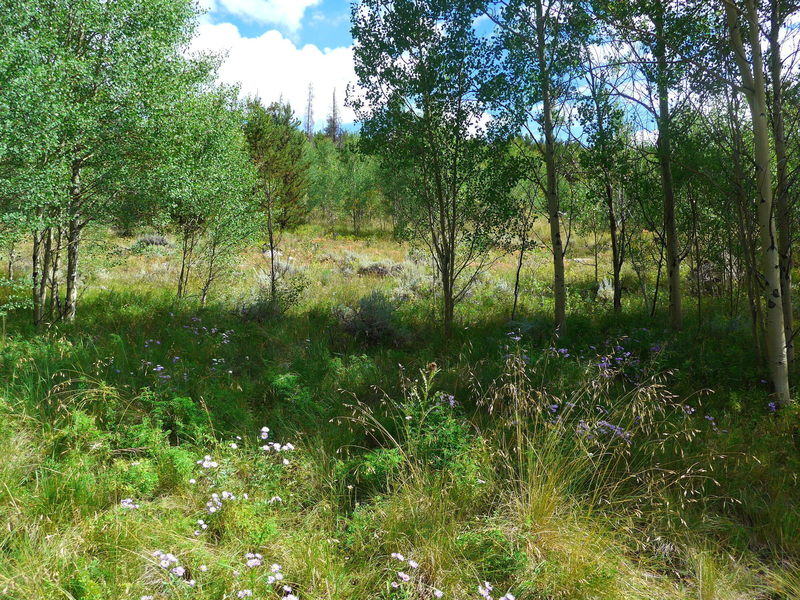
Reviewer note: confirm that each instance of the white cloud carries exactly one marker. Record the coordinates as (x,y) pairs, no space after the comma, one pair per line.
(482,19)
(272,66)
(286,13)
(318,17)
(645,137)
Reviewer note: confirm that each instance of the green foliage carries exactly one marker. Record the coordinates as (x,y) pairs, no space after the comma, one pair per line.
(492,553)
(138,479)
(206,186)
(325,423)
(439,479)
(344,181)
(181,417)
(373,321)
(373,472)
(277,149)
(426,119)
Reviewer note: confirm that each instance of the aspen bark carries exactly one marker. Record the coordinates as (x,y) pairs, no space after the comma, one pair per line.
(47,265)
(783,214)
(551,191)
(36,259)
(54,302)
(754,87)
(73,244)
(74,230)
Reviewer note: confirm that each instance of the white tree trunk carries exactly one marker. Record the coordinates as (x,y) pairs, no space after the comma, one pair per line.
(754,87)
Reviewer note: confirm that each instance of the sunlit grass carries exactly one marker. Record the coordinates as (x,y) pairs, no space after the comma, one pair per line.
(464,467)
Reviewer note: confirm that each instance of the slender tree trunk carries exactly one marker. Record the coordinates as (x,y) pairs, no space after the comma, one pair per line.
(615,247)
(553,204)
(74,230)
(36,259)
(619,213)
(184,265)
(211,273)
(746,240)
(698,280)
(754,87)
(783,213)
(47,264)
(73,244)
(54,304)
(664,148)
(12,257)
(273,275)
(187,258)
(596,251)
(732,303)
(696,258)
(658,280)
(517,276)
(447,299)
(206,287)
(750,271)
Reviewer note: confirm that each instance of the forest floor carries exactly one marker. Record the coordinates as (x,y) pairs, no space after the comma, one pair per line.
(344,450)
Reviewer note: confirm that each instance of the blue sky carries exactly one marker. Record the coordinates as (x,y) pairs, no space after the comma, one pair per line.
(325,24)
(275,48)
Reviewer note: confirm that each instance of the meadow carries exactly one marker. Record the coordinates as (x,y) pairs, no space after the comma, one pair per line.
(344,449)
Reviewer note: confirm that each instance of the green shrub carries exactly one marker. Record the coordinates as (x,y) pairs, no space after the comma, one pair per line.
(492,553)
(137,479)
(372,472)
(175,465)
(181,417)
(373,321)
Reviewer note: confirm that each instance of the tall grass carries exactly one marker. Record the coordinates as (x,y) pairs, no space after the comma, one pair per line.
(592,466)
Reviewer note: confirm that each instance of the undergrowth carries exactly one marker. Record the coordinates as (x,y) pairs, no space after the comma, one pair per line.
(343,450)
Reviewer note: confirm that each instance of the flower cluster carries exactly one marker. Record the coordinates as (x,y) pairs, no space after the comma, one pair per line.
(203,331)
(169,562)
(253,560)
(218,364)
(276,447)
(561,352)
(403,577)
(277,573)
(202,525)
(617,360)
(486,589)
(129,504)
(207,462)
(159,370)
(606,428)
(215,503)
(448,400)
(602,428)
(712,421)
